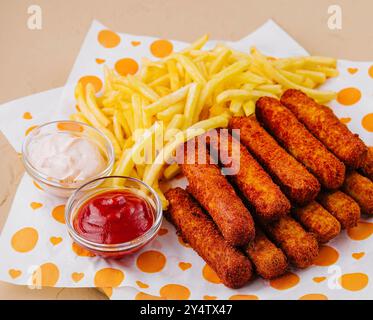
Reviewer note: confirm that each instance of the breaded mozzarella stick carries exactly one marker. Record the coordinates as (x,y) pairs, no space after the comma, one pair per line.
(341,206)
(251,179)
(298,184)
(325,126)
(300,247)
(231,266)
(217,196)
(317,220)
(269,261)
(297,140)
(360,188)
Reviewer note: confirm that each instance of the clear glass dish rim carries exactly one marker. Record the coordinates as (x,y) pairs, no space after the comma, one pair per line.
(46,180)
(125,246)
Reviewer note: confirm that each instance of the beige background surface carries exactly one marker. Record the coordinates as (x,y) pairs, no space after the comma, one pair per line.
(37,60)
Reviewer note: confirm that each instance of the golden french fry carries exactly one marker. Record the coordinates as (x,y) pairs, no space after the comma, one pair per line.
(92,105)
(235,106)
(191,103)
(315,76)
(190,68)
(137,111)
(166,101)
(232,94)
(172,111)
(320,96)
(79,117)
(173,75)
(219,62)
(174,126)
(198,44)
(118,129)
(126,161)
(171,171)
(142,88)
(249,108)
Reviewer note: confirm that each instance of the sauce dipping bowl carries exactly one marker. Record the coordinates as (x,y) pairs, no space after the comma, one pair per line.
(113,184)
(52,185)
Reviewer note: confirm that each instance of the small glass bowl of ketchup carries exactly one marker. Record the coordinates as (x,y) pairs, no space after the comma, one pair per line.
(113,216)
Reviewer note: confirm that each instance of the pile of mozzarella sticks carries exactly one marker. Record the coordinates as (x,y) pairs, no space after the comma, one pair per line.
(302,177)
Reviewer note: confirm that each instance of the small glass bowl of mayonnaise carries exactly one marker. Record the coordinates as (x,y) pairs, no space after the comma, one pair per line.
(63,155)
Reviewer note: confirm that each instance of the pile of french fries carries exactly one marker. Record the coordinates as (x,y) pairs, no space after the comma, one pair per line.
(148,115)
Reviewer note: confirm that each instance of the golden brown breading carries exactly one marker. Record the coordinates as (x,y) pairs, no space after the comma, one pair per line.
(297,183)
(367,164)
(218,198)
(231,266)
(297,140)
(325,126)
(341,206)
(300,247)
(254,183)
(269,261)
(317,220)
(360,188)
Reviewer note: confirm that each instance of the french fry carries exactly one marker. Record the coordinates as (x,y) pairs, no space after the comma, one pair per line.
(195,130)
(219,62)
(79,95)
(161,81)
(126,161)
(137,111)
(296,78)
(235,106)
(92,105)
(249,108)
(198,44)
(172,111)
(79,117)
(320,96)
(173,75)
(191,103)
(232,94)
(118,129)
(164,102)
(190,68)
(315,76)
(108,111)
(171,171)
(142,88)
(174,126)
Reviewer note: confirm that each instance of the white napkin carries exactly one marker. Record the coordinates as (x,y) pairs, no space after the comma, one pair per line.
(165,267)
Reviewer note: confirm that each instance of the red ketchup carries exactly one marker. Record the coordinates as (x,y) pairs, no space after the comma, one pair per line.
(114,217)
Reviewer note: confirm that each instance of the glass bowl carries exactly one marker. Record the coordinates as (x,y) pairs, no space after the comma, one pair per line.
(65,188)
(113,183)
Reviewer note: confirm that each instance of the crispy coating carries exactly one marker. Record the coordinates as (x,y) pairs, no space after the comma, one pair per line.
(300,247)
(317,220)
(360,188)
(269,261)
(218,198)
(231,266)
(295,180)
(341,206)
(297,140)
(251,179)
(324,125)
(367,164)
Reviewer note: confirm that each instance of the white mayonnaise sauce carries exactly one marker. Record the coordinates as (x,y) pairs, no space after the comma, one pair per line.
(65,157)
